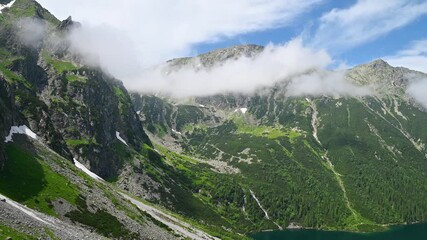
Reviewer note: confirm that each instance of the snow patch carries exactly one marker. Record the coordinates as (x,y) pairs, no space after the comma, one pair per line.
(121,139)
(23,209)
(6,5)
(87,171)
(262,208)
(202,106)
(19,130)
(138,112)
(242,110)
(175,131)
(259,204)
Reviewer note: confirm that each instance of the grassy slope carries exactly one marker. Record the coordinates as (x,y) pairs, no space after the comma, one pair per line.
(7,232)
(366,187)
(38,184)
(30,180)
(27,179)
(179,174)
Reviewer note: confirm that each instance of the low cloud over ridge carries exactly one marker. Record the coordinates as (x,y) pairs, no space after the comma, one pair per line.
(418,90)
(303,70)
(160,30)
(300,70)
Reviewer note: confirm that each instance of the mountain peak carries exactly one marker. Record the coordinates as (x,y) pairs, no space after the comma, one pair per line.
(68,24)
(376,65)
(237,51)
(218,56)
(379,63)
(386,77)
(31,9)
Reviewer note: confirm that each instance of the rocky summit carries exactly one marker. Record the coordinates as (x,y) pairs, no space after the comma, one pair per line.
(83,158)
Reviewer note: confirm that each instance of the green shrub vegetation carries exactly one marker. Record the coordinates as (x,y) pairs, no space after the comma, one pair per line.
(103,222)
(9,75)
(60,66)
(366,188)
(27,179)
(73,78)
(119,92)
(75,142)
(7,232)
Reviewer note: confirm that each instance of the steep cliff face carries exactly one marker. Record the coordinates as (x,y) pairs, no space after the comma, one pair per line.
(93,112)
(79,112)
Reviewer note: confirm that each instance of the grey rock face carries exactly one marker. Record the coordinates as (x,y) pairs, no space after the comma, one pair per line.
(5,1)
(219,56)
(386,79)
(77,111)
(68,24)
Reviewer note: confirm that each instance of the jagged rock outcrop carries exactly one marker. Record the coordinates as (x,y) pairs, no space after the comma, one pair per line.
(385,78)
(68,24)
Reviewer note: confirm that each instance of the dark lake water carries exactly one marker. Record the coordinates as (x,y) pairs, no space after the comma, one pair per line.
(410,232)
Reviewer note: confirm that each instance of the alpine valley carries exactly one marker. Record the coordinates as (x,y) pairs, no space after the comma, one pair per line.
(83,158)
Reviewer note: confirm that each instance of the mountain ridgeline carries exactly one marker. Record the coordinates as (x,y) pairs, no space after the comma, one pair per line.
(352,163)
(219,166)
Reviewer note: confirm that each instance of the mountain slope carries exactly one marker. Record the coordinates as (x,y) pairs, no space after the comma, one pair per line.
(79,117)
(57,97)
(63,196)
(333,163)
(204,167)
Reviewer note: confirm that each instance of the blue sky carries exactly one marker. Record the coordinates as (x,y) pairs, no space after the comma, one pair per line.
(281,34)
(351,31)
(384,46)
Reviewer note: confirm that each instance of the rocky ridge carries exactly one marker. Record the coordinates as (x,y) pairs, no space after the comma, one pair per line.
(210,59)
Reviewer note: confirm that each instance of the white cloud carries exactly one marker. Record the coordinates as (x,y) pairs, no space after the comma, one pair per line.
(414,57)
(418,90)
(365,21)
(301,69)
(326,83)
(107,47)
(31,31)
(162,29)
(125,37)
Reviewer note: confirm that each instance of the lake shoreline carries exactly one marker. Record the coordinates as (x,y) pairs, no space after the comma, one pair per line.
(414,231)
(296,227)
